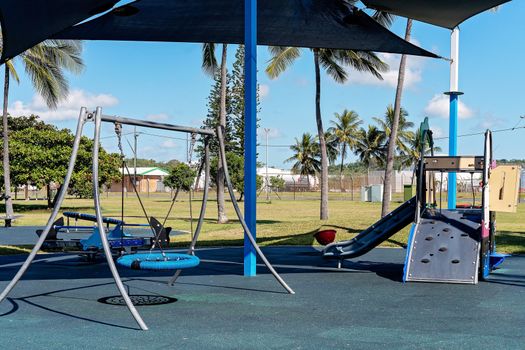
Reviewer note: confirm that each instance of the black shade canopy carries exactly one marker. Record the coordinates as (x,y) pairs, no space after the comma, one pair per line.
(26,23)
(443,13)
(300,23)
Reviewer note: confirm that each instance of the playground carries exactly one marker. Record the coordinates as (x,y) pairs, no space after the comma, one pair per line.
(362,306)
(192,256)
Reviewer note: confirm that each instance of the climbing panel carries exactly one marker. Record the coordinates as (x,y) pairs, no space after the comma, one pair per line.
(444,247)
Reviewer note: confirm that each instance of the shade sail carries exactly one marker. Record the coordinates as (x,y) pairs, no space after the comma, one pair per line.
(300,23)
(27,23)
(443,13)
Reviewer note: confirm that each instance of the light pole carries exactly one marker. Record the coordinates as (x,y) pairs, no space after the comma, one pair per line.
(135,136)
(267,180)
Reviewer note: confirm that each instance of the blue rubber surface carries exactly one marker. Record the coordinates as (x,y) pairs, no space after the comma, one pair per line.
(156,261)
(362,306)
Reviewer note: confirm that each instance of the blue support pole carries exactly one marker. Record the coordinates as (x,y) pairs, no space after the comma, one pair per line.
(250,131)
(453,147)
(453,114)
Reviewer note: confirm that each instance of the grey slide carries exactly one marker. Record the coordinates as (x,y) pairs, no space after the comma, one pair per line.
(375,234)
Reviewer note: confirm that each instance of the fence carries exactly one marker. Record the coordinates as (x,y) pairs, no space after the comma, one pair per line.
(346,188)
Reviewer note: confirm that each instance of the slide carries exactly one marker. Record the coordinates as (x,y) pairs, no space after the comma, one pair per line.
(375,234)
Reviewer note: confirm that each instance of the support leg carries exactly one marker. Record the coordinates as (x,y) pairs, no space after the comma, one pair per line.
(240,216)
(102,231)
(63,190)
(191,250)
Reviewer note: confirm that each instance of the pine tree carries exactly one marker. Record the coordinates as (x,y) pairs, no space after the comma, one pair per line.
(212,117)
(237,102)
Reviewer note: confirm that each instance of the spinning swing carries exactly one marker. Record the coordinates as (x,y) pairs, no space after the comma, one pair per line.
(153,260)
(97,118)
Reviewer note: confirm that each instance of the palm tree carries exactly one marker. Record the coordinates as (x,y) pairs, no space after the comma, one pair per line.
(411,158)
(332,149)
(209,65)
(305,157)
(345,129)
(395,123)
(334,62)
(370,148)
(45,64)
(404,134)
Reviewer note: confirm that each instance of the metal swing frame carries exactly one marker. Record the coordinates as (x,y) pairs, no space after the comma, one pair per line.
(97,118)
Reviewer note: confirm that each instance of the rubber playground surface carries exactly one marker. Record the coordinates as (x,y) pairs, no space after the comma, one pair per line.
(362,306)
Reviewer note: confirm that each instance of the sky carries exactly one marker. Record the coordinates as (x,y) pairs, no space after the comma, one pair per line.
(165,82)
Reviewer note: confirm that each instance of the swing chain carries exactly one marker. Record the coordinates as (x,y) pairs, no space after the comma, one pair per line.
(118,132)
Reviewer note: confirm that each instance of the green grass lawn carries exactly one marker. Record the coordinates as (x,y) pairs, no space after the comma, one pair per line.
(280,222)
(10,250)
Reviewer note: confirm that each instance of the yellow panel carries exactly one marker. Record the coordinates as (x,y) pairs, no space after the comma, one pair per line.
(504,188)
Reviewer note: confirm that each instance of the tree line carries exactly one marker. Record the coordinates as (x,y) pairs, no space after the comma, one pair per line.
(40,152)
(346,135)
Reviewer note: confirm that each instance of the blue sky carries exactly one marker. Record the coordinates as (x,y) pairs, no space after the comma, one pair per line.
(164,82)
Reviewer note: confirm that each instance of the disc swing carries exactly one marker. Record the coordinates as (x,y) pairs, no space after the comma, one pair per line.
(153,260)
(150,260)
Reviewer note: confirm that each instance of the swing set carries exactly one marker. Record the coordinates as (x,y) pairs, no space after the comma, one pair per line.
(157,258)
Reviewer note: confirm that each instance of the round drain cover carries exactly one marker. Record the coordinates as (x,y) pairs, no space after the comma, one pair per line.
(138,300)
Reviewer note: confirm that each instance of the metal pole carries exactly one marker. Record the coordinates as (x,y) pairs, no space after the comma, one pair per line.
(136,136)
(102,230)
(188,150)
(250,133)
(193,243)
(61,195)
(238,212)
(267,131)
(154,125)
(454,94)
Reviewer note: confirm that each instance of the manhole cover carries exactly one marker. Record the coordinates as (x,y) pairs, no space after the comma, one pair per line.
(138,300)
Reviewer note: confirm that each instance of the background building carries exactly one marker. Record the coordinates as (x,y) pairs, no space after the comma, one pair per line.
(149,179)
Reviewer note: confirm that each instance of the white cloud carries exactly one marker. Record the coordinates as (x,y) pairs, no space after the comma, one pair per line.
(160,117)
(67,109)
(489,121)
(439,106)
(413,72)
(264,90)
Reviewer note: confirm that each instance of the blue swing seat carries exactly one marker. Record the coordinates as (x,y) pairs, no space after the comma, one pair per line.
(157,261)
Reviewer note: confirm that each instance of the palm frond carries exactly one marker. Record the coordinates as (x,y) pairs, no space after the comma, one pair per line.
(329,61)
(48,80)
(384,18)
(282,58)
(363,61)
(66,54)
(209,61)
(12,71)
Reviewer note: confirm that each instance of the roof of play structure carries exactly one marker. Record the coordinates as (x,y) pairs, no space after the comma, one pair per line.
(301,23)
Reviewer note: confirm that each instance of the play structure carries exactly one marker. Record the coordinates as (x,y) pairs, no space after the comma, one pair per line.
(444,245)
(107,240)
